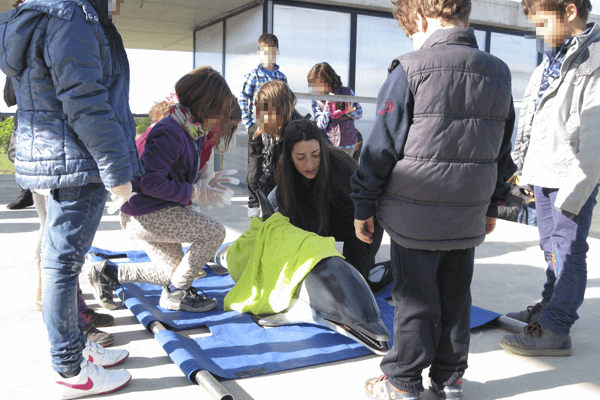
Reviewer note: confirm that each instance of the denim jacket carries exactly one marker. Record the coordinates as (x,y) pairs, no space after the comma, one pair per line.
(75,124)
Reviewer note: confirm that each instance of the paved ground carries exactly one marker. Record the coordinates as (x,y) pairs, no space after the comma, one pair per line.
(509,276)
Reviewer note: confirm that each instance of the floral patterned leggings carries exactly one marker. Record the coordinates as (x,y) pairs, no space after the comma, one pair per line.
(161,234)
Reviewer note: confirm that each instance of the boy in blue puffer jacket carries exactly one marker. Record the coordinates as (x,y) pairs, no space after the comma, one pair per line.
(76,137)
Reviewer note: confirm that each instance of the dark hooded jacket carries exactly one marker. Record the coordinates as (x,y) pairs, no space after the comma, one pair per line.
(438,157)
(71,79)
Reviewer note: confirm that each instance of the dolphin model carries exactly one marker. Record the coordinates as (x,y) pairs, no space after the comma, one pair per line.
(333,294)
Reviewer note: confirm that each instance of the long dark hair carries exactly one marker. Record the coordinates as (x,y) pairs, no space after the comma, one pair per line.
(331,185)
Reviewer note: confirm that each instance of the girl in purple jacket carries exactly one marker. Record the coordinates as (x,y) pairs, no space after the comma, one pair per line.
(156,216)
(336,118)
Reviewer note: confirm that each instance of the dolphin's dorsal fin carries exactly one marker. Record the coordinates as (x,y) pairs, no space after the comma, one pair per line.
(265,205)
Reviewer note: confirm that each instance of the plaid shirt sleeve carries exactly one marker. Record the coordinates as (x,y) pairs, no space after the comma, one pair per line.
(247,98)
(322,115)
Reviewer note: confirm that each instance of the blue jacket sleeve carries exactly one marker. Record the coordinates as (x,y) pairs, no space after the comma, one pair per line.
(385,145)
(73,56)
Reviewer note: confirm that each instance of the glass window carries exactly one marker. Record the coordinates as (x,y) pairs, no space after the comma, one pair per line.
(520,54)
(308,37)
(378,41)
(480,36)
(241,46)
(209,47)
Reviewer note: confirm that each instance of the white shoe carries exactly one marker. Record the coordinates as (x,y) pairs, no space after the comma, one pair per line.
(92,380)
(98,355)
(253,212)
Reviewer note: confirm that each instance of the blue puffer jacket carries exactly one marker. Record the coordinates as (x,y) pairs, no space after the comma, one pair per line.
(75,125)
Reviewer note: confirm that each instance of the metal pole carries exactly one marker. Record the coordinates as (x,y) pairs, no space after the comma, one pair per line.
(509,324)
(203,378)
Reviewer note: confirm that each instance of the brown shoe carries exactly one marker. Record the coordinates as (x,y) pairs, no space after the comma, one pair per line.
(95,335)
(531,315)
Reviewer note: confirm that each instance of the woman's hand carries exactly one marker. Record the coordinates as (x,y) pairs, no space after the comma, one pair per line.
(350,109)
(364,229)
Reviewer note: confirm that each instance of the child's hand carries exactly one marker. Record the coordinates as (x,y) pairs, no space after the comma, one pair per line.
(350,109)
(490,225)
(364,229)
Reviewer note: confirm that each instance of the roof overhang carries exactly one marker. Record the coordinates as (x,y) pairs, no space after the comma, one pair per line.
(169,24)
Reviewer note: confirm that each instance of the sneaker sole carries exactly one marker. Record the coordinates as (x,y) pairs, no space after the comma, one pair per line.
(531,353)
(79,395)
(179,307)
(117,363)
(109,306)
(104,343)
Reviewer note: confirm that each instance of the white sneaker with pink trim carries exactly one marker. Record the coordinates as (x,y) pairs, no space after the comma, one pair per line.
(98,355)
(91,380)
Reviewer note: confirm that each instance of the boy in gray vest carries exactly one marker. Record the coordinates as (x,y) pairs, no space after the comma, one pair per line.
(434,171)
(557,151)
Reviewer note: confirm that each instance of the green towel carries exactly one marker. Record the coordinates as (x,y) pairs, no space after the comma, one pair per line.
(269,261)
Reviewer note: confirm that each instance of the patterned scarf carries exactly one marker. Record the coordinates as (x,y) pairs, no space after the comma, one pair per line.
(184,118)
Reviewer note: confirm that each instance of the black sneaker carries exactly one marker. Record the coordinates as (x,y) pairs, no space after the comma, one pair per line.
(186,300)
(98,320)
(454,391)
(95,335)
(104,285)
(531,315)
(23,201)
(380,276)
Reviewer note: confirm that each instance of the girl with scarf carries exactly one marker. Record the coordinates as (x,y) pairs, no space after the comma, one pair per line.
(176,175)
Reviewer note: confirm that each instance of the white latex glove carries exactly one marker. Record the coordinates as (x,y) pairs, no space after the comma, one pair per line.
(209,190)
(119,196)
(220,178)
(202,192)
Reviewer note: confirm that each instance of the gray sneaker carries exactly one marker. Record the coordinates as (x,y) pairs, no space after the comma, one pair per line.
(538,341)
(531,315)
(104,286)
(186,300)
(454,391)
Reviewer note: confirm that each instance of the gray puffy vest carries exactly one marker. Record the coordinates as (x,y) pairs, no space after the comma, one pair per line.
(439,191)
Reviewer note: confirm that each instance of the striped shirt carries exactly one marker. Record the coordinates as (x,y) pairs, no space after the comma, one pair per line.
(252,82)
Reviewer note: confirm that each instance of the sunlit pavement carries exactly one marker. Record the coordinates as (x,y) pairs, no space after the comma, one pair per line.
(509,275)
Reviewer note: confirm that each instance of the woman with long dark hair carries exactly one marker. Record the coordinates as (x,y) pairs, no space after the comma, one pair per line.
(314,192)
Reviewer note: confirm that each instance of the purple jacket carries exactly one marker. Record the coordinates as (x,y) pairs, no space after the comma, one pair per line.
(171,162)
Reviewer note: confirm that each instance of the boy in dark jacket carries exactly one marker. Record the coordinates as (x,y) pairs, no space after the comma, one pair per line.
(434,170)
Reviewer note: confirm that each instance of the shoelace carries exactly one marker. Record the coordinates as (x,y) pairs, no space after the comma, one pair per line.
(194,292)
(534,328)
(533,309)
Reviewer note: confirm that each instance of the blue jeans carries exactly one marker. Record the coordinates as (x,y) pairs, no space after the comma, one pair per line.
(528,215)
(73,218)
(564,242)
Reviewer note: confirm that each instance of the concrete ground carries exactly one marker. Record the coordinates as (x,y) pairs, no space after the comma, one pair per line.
(509,276)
